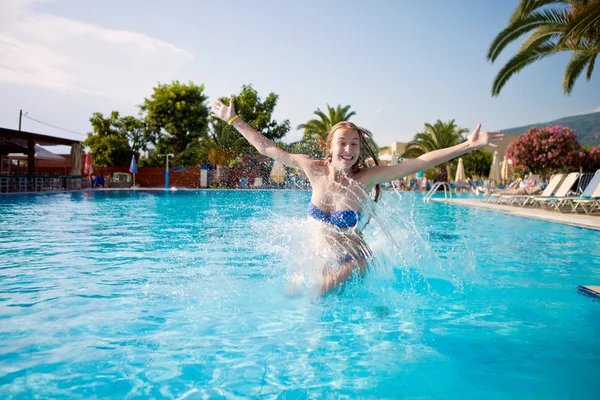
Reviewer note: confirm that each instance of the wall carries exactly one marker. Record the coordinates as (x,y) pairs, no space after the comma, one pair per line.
(399,147)
(503,144)
(146,176)
(250,167)
(154,176)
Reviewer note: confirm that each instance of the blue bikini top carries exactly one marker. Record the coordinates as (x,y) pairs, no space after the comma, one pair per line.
(342,219)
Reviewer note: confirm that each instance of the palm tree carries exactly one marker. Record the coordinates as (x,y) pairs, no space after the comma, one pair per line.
(572,25)
(316,130)
(437,136)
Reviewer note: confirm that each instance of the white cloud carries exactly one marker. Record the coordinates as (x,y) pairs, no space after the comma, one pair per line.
(597,109)
(67,55)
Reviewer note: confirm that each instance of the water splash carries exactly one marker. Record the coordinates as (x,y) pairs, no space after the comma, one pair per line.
(400,257)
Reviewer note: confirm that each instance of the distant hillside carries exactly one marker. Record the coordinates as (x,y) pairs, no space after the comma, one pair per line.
(587,127)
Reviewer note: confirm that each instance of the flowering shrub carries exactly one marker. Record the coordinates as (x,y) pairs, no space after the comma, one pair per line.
(591,159)
(545,150)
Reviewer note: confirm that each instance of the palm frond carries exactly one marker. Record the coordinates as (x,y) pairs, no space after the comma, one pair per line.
(520,61)
(526,7)
(316,130)
(548,34)
(583,23)
(573,25)
(575,67)
(520,27)
(435,136)
(590,68)
(323,117)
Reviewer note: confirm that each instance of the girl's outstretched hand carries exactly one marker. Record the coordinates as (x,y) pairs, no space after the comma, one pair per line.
(479,138)
(222,111)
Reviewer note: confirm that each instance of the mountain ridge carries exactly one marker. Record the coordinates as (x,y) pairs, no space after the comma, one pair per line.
(586,126)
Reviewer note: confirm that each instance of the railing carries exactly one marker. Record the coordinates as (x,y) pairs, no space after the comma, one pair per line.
(435,187)
(12,183)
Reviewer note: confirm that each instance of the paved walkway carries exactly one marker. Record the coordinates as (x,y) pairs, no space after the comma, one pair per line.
(568,218)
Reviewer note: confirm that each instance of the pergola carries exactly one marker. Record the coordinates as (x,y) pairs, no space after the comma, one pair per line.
(12,141)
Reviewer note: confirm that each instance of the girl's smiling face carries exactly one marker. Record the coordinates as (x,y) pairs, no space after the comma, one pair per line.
(345,148)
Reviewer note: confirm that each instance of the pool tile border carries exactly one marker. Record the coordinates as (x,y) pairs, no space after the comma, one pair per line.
(578,220)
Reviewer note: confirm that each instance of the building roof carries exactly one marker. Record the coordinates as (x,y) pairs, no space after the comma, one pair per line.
(13,141)
(40,154)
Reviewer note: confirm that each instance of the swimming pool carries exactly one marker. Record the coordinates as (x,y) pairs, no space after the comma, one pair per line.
(117,294)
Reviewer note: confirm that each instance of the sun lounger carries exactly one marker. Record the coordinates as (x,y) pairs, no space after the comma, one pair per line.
(561,192)
(494,197)
(523,200)
(584,181)
(589,201)
(569,202)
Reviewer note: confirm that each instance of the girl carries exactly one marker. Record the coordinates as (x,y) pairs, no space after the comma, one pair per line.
(341,183)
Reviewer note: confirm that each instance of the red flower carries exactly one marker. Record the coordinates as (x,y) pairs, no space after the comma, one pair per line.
(545,150)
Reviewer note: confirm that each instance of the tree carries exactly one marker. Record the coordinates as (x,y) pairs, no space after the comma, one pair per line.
(316,130)
(115,139)
(177,117)
(590,161)
(546,150)
(572,25)
(477,163)
(136,131)
(437,136)
(226,143)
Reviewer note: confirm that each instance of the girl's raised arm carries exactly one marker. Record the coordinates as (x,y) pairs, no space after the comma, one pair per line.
(259,141)
(476,140)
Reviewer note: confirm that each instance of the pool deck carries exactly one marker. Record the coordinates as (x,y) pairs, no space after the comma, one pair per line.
(573,219)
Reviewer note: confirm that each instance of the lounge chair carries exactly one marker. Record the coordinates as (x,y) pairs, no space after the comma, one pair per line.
(523,200)
(584,181)
(562,192)
(589,201)
(495,197)
(591,183)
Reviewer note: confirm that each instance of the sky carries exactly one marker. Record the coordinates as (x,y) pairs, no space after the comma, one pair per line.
(399,64)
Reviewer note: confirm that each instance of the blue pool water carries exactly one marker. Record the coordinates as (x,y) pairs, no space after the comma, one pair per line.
(181,295)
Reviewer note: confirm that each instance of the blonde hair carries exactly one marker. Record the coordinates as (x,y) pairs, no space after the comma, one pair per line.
(367,149)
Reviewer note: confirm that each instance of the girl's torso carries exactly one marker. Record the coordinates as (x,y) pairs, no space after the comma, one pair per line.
(337,208)
(336,200)
(336,193)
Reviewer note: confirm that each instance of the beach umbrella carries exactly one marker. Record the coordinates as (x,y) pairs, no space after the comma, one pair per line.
(504,170)
(460,171)
(278,172)
(495,168)
(75,159)
(88,168)
(133,168)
